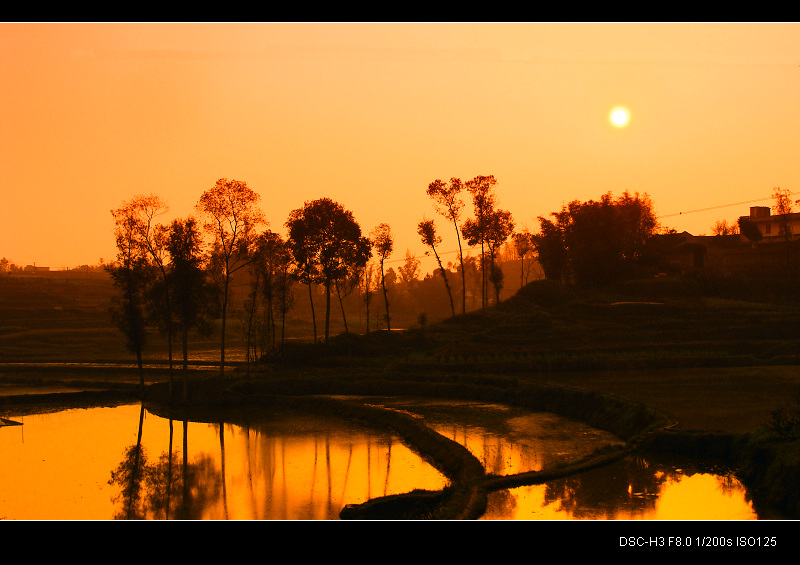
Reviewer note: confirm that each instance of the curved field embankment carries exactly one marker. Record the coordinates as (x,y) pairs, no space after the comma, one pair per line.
(768,465)
(465,497)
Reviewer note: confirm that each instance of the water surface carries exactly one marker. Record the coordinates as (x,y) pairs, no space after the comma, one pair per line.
(84,464)
(506,439)
(114,463)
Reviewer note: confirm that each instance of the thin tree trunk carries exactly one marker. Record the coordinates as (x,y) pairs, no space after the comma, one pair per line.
(367,298)
(141,369)
(385,297)
(327,308)
(136,333)
(313,316)
(341,307)
(284,308)
(463,274)
(224,319)
(483,278)
(168,320)
(185,363)
(446,284)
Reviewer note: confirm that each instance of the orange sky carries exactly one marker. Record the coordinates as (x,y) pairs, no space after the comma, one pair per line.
(370,113)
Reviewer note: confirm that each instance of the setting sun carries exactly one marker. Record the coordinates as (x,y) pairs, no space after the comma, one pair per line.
(357,271)
(620,117)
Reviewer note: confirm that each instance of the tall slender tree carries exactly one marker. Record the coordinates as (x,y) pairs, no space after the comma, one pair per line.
(427,231)
(232,215)
(284,291)
(476,230)
(368,283)
(272,261)
(346,285)
(383,242)
(131,274)
(447,202)
(783,209)
(152,237)
(500,226)
(193,296)
(250,307)
(523,245)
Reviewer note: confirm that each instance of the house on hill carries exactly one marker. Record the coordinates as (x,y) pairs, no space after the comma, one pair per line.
(35,269)
(773,228)
(766,246)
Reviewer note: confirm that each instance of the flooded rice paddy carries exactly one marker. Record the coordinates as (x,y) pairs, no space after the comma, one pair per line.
(124,462)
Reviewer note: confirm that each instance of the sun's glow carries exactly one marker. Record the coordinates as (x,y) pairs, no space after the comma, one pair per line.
(619,117)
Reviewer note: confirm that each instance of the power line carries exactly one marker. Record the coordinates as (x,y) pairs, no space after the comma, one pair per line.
(717,207)
(427,254)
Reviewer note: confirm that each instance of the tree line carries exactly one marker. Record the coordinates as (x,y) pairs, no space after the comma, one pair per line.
(178,275)
(167,274)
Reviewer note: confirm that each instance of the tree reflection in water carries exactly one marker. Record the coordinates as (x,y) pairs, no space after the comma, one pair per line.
(166,489)
(632,488)
(274,477)
(603,493)
(288,467)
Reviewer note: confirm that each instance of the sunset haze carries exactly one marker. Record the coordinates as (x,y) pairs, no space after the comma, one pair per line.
(368,114)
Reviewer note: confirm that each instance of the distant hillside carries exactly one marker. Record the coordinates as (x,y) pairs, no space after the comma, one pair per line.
(700,320)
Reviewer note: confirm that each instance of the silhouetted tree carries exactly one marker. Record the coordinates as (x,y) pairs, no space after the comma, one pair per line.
(232,214)
(523,245)
(346,284)
(409,271)
(551,249)
(593,242)
(151,237)
(500,226)
(326,242)
(427,231)
(472,277)
(722,227)
(131,274)
(284,291)
(383,242)
(596,242)
(273,257)
(476,230)
(749,230)
(269,254)
(249,308)
(782,209)
(304,266)
(192,293)
(448,203)
(368,283)
(637,224)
